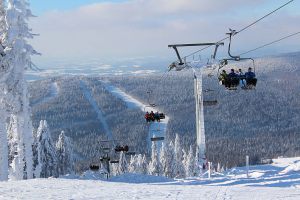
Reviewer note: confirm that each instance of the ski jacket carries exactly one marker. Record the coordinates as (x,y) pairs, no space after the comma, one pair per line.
(250,75)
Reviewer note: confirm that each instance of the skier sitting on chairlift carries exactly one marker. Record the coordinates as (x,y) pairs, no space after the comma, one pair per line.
(250,78)
(157,116)
(241,77)
(147,117)
(233,80)
(223,77)
(152,116)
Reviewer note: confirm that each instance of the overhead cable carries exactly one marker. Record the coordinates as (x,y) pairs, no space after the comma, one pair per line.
(245,28)
(275,41)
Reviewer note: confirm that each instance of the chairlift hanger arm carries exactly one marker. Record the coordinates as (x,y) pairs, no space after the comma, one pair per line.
(232,33)
(178,55)
(232,57)
(216,49)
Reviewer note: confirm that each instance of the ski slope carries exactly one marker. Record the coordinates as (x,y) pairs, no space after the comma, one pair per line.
(54,90)
(88,95)
(156,129)
(280,180)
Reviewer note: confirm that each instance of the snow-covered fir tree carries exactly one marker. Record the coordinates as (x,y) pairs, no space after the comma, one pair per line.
(189,163)
(16,161)
(64,154)
(168,160)
(133,164)
(48,157)
(37,168)
(123,165)
(144,165)
(12,139)
(16,59)
(197,167)
(141,164)
(3,109)
(154,165)
(185,158)
(162,158)
(179,169)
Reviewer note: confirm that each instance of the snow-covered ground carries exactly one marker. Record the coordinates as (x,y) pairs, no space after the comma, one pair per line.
(155,129)
(280,180)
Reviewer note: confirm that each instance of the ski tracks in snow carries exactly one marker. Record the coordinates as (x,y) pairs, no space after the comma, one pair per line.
(88,95)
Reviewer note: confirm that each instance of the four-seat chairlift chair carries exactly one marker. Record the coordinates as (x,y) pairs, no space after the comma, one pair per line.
(232,83)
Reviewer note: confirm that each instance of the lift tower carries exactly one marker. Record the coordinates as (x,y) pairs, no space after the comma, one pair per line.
(198,92)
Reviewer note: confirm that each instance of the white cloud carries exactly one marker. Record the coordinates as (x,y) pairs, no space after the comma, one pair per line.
(146,27)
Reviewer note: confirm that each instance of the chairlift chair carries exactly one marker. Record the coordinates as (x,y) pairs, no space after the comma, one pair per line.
(156,139)
(120,148)
(210,102)
(94,167)
(233,82)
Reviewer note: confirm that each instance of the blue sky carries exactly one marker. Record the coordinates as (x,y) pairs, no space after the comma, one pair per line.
(130,29)
(42,6)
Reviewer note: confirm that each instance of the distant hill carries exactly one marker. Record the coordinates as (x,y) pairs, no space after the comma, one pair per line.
(263,123)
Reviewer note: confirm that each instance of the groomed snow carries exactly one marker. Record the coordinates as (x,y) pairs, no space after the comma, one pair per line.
(265,182)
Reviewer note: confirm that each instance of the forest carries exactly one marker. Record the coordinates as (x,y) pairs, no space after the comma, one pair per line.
(262,123)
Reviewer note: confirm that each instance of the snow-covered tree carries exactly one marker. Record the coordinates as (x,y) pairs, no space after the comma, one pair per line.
(197,166)
(189,163)
(64,154)
(154,165)
(3,109)
(48,157)
(16,59)
(37,168)
(167,159)
(162,158)
(179,169)
(133,164)
(141,164)
(123,166)
(16,160)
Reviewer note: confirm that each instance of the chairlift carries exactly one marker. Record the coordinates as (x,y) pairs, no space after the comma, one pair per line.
(156,139)
(120,148)
(231,83)
(152,117)
(105,158)
(94,167)
(210,102)
(210,95)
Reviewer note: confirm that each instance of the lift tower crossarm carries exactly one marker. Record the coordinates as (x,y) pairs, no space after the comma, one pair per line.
(193,45)
(174,46)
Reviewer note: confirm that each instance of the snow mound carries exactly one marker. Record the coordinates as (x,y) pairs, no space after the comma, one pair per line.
(139,178)
(292,168)
(88,175)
